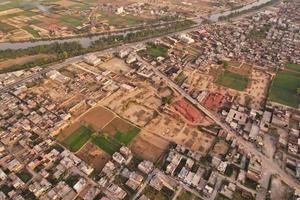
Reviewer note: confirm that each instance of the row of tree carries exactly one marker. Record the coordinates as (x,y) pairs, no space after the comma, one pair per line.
(61,51)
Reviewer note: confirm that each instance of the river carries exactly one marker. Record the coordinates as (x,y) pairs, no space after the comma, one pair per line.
(87,40)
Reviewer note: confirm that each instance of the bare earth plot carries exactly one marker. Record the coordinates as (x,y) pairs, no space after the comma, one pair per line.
(94,156)
(115,65)
(148,146)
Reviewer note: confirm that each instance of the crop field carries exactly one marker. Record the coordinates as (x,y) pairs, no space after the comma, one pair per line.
(30,30)
(78,138)
(233,80)
(106,143)
(122,21)
(70,20)
(126,137)
(121,130)
(6,27)
(293,66)
(284,88)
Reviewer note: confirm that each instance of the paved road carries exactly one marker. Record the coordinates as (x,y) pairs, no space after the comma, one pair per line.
(247,146)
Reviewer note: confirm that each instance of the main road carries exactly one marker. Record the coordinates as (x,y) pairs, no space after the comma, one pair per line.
(247,146)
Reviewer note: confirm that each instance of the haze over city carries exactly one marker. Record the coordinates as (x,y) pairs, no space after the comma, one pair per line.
(150,100)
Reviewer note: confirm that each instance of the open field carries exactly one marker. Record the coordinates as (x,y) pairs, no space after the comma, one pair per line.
(186,195)
(70,20)
(148,146)
(97,117)
(157,50)
(126,137)
(115,65)
(121,130)
(152,193)
(284,88)
(233,80)
(94,156)
(21,60)
(30,30)
(117,124)
(121,21)
(220,148)
(106,143)
(258,88)
(78,138)
(6,27)
(293,66)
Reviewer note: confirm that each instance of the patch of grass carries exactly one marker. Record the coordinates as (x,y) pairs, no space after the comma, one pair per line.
(293,66)
(24,175)
(233,80)
(284,88)
(77,139)
(155,51)
(106,143)
(33,32)
(125,138)
(6,28)
(70,20)
(8,6)
(122,21)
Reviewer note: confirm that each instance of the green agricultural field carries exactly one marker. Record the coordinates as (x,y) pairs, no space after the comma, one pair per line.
(10,5)
(293,66)
(106,143)
(33,32)
(233,80)
(125,138)
(284,88)
(75,141)
(6,27)
(122,21)
(70,20)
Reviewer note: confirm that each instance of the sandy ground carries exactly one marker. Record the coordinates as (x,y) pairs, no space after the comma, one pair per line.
(148,146)
(115,65)
(220,148)
(94,156)
(137,105)
(258,88)
(175,130)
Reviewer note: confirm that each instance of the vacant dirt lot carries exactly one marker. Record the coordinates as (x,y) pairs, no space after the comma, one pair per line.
(220,148)
(115,65)
(148,146)
(94,156)
(117,124)
(197,141)
(97,117)
(258,88)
